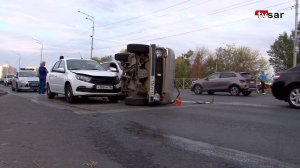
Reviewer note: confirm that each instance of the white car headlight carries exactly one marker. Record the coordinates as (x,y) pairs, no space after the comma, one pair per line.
(83,78)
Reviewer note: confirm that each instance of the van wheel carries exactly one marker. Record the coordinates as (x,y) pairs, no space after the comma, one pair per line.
(138,48)
(234,91)
(123,57)
(294,97)
(49,93)
(70,98)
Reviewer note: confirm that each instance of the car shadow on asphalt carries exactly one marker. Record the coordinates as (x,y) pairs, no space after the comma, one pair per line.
(85,100)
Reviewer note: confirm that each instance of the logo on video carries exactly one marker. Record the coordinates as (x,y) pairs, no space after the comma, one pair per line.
(268,14)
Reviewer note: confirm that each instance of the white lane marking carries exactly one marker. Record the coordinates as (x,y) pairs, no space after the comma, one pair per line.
(243,104)
(82,112)
(226,103)
(236,156)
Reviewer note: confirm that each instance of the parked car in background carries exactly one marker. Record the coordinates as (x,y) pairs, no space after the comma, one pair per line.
(286,86)
(82,78)
(25,79)
(232,82)
(8,79)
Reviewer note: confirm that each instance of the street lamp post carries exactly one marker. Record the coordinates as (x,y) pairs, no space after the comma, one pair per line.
(42,47)
(92,19)
(296,47)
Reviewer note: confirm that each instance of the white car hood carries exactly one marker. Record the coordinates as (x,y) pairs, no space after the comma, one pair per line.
(28,78)
(95,73)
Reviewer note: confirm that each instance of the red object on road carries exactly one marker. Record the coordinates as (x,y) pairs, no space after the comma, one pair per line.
(178,102)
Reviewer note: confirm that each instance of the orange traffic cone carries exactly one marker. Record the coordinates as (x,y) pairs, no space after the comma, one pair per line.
(178,102)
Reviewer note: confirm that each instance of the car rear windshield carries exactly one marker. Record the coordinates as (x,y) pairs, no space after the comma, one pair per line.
(246,75)
(83,65)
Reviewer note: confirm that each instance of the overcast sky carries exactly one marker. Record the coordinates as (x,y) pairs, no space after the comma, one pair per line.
(177,24)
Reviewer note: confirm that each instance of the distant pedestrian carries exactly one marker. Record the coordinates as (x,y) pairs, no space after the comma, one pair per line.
(42,73)
(263,79)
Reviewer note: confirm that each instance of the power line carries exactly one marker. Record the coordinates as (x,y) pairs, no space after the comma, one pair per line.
(211,13)
(222,10)
(196,30)
(165,14)
(136,17)
(205,1)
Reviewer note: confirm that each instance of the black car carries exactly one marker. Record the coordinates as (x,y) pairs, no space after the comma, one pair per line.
(286,86)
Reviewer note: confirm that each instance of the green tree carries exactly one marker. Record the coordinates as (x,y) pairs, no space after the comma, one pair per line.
(182,67)
(224,56)
(281,52)
(188,55)
(198,68)
(211,64)
(103,59)
(239,59)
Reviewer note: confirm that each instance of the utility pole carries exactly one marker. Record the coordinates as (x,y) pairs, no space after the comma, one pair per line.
(92,19)
(42,47)
(19,63)
(296,48)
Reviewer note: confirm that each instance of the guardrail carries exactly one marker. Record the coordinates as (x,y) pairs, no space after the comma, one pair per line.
(184,83)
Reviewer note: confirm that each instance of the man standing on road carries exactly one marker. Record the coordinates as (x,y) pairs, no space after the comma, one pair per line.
(263,79)
(42,73)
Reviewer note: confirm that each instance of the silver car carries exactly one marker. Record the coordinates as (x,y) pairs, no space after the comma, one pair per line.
(232,82)
(25,80)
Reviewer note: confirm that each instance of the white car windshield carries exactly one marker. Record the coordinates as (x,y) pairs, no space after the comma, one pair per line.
(83,65)
(27,74)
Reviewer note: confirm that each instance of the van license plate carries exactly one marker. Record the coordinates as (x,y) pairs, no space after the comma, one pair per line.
(104,87)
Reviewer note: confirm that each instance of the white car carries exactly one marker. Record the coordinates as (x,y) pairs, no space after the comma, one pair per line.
(82,78)
(8,79)
(25,80)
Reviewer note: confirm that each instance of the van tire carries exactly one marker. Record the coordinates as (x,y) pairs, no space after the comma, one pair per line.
(138,48)
(123,57)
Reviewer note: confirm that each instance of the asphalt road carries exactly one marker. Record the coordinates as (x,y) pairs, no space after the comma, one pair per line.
(232,132)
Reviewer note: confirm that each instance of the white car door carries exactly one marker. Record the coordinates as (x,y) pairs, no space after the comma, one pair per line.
(61,77)
(52,78)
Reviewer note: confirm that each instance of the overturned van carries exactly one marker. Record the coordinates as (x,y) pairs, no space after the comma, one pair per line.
(148,74)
